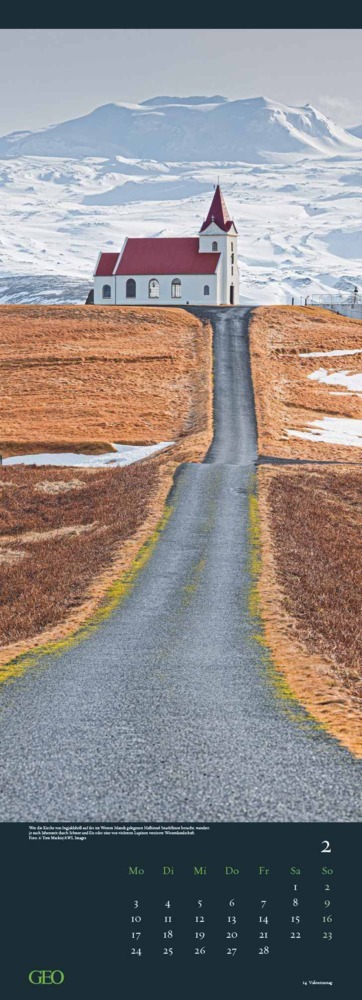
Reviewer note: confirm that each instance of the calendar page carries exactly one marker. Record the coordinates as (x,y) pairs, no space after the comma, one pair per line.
(180,509)
(249,906)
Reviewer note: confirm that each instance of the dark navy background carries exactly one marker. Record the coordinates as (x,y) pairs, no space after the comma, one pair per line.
(67,905)
(190,15)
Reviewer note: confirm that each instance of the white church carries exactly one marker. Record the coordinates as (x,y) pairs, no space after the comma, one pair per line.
(197,270)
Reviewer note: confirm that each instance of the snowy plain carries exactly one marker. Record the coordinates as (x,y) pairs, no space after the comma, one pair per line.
(292,183)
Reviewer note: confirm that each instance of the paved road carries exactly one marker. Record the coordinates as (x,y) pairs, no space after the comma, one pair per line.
(169,711)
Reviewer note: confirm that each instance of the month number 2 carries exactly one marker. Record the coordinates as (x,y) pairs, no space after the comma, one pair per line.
(326,847)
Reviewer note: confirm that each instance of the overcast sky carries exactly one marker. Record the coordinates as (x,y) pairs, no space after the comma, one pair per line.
(49,75)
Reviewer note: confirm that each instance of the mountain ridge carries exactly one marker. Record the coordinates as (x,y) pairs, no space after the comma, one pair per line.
(192,129)
(355,130)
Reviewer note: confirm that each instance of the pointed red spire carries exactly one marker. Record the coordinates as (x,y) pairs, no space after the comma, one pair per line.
(218,212)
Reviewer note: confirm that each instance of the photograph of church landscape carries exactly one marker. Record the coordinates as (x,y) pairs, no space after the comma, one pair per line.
(181,428)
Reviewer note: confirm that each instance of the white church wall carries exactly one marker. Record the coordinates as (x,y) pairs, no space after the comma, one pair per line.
(192,290)
(226,245)
(99,284)
(219,286)
(211,235)
(232,271)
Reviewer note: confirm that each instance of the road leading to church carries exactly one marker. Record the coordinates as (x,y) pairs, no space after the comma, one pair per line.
(169,712)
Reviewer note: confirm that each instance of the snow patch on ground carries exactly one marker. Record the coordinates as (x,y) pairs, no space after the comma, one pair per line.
(333,430)
(352,380)
(124,454)
(331,354)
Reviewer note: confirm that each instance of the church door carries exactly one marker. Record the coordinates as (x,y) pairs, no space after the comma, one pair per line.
(231,295)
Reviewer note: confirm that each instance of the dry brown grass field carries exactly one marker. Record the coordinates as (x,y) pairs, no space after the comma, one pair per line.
(310,588)
(79,378)
(86,377)
(59,529)
(316,512)
(286,399)
(310,516)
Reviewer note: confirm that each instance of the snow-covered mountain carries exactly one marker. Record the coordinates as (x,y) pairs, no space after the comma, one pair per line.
(356,131)
(291,178)
(254,130)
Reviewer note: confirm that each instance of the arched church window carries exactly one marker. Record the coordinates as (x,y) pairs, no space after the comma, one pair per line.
(206,290)
(176,288)
(214,245)
(106,292)
(153,289)
(130,288)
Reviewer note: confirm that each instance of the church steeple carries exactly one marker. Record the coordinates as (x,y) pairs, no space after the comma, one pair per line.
(218,235)
(218,213)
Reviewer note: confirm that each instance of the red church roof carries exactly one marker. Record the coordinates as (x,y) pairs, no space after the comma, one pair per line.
(163,255)
(160,255)
(106,264)
(218,213)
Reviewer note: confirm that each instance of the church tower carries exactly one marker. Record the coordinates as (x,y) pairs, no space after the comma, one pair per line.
(218,234)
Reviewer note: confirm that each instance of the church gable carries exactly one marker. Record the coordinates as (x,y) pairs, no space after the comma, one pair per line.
(214,230)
